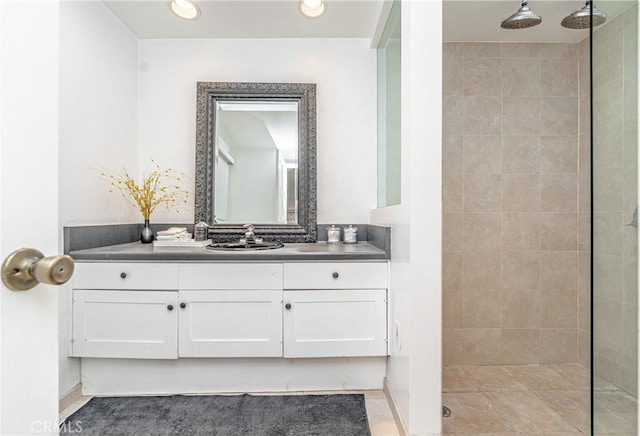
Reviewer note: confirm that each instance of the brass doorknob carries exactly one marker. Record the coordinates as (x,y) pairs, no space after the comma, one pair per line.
(25,268)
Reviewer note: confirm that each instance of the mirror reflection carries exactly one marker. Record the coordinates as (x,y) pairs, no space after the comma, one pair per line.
(256,162)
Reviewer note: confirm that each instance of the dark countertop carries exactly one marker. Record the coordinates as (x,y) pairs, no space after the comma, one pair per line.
(319,251)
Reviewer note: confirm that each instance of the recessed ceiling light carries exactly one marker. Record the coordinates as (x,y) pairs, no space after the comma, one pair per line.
(185,9)
(312,8)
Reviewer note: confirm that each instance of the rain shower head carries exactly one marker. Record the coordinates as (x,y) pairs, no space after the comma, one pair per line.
(581,18)
(522,19)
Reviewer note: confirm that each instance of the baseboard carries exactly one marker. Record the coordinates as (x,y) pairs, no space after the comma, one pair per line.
(402,428)
(70,397)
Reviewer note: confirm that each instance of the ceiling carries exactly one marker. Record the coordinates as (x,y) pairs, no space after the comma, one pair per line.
(249,19)
(463,20)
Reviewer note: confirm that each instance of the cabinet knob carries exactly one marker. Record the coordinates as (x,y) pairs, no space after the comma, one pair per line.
(183,305)
(287,306)
(123,275)
(335,275)
(170,307)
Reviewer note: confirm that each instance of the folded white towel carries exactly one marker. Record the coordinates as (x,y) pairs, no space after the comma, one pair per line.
(172,231)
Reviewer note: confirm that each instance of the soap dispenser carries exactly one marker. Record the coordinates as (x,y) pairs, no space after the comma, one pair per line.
(200,231)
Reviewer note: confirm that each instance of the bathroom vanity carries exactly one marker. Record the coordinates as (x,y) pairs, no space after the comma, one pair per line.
(307,316)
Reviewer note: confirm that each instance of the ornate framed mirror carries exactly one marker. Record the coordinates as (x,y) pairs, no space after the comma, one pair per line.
(256,160)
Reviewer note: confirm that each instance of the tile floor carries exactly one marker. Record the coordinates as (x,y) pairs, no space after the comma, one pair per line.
(532,400)
(381,420)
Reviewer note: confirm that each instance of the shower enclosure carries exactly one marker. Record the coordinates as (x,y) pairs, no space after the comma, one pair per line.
(540,227)
(614,201)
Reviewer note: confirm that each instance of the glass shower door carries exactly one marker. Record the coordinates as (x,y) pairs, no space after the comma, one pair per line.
(614,242)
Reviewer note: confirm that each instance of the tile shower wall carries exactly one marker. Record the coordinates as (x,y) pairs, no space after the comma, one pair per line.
(511,130)
(615,181)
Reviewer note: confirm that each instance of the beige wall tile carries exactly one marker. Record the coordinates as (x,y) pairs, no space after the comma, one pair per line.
(482,76)
(584,232)
(558,50)
(482,154)
(559,270)
(521,77)
(520,49)
(559,77)
(584,192)
(521,310)
(452,269)
(481,270)
(584,115)
(453,79)
(453,232)
(452,346)
(559,193)
(482,193)
(481,308)
(559,116)
(453,50)
(584,348)
(630,285)
(559,231)
(452,193)
(610,59)
(520,154)
(608,232)
(613,329)
(482,346)
(558,345)
(452,154)
(521,231)
(520,270)
(608,188)
(521,193)
(558,309)
(481,50)
(482,233)
(521,116)
(482,115)
(559,154)
(452,110)
(452,308)
(584,291)
(608,280)
(584,155)
(520,346)
(584,75)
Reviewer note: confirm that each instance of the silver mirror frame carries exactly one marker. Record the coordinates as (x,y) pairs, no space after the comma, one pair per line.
(305,94)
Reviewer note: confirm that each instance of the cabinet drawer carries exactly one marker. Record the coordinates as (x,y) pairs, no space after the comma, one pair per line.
(370,275)
(149,276)
(231,276)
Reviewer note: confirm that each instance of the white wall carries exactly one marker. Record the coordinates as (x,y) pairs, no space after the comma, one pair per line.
(344,71)
(98,128)
(98,112)
(414,368)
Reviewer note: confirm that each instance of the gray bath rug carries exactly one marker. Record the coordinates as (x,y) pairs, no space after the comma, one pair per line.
(222,415)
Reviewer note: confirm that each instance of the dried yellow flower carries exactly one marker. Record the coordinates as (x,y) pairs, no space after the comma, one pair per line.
(158,188)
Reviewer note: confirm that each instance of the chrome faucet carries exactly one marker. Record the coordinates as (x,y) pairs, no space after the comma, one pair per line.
(249,236)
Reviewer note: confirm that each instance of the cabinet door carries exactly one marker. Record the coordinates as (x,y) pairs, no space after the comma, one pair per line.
(335,323)
(125,324)
(230,323)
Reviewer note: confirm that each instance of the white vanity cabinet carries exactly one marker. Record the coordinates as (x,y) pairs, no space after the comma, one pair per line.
(125,310)
(223,309)
(335,309)
(230,310)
